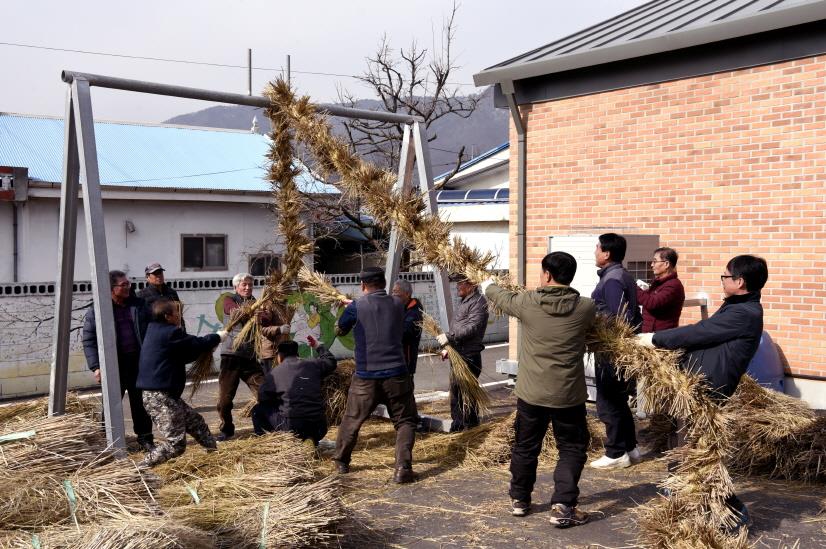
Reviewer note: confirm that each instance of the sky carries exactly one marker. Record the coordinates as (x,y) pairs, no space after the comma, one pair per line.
(321,36)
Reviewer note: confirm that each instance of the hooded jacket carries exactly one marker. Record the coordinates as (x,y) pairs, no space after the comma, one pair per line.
(721,346)
(555,320)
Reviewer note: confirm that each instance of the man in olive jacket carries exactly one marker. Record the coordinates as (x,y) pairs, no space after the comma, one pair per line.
(550,388)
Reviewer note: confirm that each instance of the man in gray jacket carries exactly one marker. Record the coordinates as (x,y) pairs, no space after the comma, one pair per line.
(550,388)
(466,334)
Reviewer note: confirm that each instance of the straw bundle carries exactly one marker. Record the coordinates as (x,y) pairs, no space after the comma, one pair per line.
(318,284)
(58,445)
(128,532)
(39,408)
(254,486)
(474,396)
(672,525)
(279,454)
(303,515)
(200,371)
(93,492)
(334,391)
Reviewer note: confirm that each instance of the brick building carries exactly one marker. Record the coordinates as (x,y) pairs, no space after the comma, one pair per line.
(703,123)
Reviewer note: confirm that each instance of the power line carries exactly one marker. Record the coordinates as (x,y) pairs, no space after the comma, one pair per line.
(190,62)
(177,176)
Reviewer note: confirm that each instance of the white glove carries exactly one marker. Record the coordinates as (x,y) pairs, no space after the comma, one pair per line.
(643,285)
(646,340)
(223,334)
(442,339)
(484,285)
(284,329)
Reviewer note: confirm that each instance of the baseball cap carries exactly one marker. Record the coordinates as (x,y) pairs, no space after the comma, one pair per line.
(153,268)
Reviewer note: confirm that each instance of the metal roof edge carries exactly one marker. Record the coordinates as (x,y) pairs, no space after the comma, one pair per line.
(473,161)
(724,30)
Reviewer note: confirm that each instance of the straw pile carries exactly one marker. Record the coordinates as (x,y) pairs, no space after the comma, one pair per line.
(33,409)
(334,391)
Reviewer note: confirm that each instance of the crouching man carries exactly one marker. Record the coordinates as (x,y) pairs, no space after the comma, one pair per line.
(290,398)
(162,377)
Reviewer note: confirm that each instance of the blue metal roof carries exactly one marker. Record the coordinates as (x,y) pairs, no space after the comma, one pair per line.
(148,156)
(475,160)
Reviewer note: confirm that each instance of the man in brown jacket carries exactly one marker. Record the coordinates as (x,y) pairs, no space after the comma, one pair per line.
(550,387)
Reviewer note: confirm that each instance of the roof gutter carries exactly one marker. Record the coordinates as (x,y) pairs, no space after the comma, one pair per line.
(521,185)
(706,34)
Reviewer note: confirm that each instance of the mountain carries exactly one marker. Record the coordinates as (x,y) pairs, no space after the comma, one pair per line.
(485,129)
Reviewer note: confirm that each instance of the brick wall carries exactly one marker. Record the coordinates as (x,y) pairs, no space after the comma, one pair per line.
(717,165)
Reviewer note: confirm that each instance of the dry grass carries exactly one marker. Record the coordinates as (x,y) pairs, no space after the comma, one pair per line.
(303,515)
(278,454)
(318,284)
(200,371)
(334,391)
(28,410)
(474,396)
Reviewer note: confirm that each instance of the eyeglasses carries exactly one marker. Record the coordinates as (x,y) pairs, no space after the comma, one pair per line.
(123,285)
(659,261)
(724,277)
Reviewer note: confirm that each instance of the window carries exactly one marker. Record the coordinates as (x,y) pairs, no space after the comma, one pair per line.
(640,269)
(263,264)
(203,252)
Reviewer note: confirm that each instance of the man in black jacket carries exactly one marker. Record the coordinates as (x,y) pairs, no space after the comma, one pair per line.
(467,331)
(721,347)
(162,377)
(413,314)
(290,398)
(131,318)
(156,288)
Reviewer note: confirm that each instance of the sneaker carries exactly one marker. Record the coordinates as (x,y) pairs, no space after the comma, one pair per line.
(612,463)
(635,455)
(563,516)
(520,508)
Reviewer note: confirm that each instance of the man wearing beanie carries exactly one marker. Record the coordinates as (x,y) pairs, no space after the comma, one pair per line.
(290,398)
(381,376)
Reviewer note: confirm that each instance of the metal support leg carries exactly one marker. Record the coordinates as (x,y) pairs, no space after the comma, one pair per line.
(99,263)
(403,184)
(440,277)
(65,265)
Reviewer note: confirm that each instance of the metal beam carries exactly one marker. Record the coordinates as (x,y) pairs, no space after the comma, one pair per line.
(440,277)
(99,263)
(220,97)
(403,185)
(58,383)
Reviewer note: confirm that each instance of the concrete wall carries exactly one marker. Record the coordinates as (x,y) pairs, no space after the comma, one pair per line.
(26,332)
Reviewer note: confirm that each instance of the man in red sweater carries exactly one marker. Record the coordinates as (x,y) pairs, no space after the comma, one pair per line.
(662,300)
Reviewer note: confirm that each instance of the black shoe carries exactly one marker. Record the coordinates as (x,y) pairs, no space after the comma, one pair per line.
(741,520)
(520,508)
(404,475)
(147,445)
(563,516)
(223,437)
(341,467)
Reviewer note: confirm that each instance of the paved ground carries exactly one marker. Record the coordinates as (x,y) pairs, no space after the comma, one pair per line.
(452,506)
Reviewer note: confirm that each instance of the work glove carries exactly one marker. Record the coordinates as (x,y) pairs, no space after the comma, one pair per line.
(443,354)
(484,285)
(284,329)
(312,342)
(643,285)
(223,334)
(442,339)
(646,340)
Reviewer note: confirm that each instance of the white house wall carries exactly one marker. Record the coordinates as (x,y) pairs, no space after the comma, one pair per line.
(6,242)
(486,236)
(157,237)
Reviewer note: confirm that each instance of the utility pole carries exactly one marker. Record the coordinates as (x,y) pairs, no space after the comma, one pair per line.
(249,72)
(289,82)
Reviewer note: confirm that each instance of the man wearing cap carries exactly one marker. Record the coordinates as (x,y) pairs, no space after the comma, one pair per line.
(381,376)
(156,288)
(469,324)
(290,398)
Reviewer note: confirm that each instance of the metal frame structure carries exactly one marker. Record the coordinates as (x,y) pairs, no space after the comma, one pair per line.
(80,173)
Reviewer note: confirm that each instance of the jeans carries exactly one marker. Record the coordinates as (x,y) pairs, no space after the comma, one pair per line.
(464,419)
(365,394)
(570,430)
(614,412)
(233,370)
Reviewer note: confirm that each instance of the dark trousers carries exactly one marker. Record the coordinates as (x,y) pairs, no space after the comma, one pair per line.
(464,419)
(266,365)
(233,370)
(266,418)
(614,412)
(570,430)
(128,370)
(365,394)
